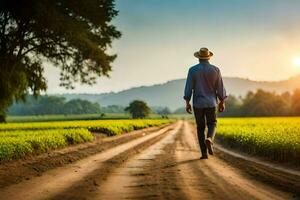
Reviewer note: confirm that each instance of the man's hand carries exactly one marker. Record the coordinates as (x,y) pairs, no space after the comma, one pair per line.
(221,106)
(188,108)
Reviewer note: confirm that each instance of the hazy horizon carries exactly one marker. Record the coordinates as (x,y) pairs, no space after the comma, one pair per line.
(154,84)
(255,39)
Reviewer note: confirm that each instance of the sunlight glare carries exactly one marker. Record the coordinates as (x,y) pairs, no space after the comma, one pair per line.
(297,61)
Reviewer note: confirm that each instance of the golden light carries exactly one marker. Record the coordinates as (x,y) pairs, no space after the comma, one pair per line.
(297,62)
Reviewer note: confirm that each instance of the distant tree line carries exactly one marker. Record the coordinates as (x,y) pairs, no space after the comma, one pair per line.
(260,103)
(113,109)
(45,105)
(140,109)
(162,111)
(263,103)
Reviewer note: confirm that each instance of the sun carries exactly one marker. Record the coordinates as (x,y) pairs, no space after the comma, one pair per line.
(297,61)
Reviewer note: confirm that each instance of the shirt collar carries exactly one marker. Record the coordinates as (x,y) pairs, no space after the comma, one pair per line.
(204,61)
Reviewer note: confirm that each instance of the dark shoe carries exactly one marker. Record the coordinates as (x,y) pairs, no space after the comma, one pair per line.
(209,146)
(203,157)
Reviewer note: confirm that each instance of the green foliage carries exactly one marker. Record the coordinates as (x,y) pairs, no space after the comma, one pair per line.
(295,102)
(19,143)
(233,106)
(274,138)
(44,105)
(72,35)
(138,109)
(113,109)
(112,127)
(262,103)
(20,139)
(78,106)
(48,118)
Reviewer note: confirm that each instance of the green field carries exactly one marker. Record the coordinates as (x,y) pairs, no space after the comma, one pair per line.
(20,139)
(41,118)
(107,116)
(275,138)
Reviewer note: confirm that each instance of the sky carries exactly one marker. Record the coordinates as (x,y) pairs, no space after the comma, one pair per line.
(255,39)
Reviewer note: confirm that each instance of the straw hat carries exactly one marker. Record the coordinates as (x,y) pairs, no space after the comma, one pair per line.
(203,53)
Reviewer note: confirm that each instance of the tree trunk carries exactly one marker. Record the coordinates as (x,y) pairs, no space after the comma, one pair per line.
(2,118)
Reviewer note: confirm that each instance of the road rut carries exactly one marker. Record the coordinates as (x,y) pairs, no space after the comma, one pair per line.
(164,165)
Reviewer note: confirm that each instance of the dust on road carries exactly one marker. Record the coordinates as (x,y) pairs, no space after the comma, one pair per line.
(162,165)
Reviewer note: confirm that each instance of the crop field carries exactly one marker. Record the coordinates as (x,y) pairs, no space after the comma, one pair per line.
(20,139)
(77,117)
(69,117)
(110,127)
(17,144)
(274,138)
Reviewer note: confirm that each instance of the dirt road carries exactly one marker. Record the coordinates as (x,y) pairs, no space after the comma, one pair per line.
(162,165)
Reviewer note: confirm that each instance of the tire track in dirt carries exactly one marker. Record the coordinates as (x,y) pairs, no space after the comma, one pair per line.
(58,180)
(127,182)
(215,179)
(162,165)
(33,166)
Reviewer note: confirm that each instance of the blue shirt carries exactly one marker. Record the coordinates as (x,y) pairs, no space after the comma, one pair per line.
(205,82)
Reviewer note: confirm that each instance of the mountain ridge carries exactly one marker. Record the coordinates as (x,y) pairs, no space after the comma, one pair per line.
(170,93)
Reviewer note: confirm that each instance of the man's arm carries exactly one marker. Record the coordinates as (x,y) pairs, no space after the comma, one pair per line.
(221,93)
(188,92)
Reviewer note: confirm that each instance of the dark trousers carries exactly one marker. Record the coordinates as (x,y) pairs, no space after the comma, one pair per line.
(205,117)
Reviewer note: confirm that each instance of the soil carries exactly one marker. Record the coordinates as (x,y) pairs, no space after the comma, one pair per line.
(24,169)
(160,163)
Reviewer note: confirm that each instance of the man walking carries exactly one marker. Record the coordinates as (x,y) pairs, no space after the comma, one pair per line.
(205,82)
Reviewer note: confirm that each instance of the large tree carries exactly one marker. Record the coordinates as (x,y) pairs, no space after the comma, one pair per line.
(74,35)
(138,109)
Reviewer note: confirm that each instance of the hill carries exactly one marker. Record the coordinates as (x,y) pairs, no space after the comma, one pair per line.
(170,93)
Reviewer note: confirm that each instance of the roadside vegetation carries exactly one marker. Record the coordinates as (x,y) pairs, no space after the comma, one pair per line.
(69,117)
(276,139)
(106,116)
(111,127)
(17,144)
(21,139)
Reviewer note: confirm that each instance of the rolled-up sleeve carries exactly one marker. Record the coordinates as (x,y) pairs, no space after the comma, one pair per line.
(220,89)
(188,90)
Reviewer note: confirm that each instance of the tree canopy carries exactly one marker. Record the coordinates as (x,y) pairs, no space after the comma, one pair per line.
(138,109)
(72,35)
(45,105)
(263,103)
